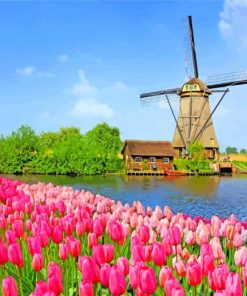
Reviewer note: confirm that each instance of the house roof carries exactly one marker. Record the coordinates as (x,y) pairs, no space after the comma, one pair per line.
(149,148)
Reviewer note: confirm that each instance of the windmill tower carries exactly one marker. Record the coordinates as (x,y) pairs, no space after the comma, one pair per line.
(194,122)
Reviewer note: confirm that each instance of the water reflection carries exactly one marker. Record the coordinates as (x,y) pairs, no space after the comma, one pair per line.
(191,195)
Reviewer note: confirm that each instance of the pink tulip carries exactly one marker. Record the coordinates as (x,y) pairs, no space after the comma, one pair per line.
(108,252)
(34,245)
(86,289)
(57,234)
(63,251)
(74,247)
(10,237)
(180,268)
(37,262)
(144,233)
(41,289)
(134,274)
(98,227)
(233,285)
(15,255)
(170,285)
(117,283)
(123,265)
(217,278)
(165,274)
(176,236)
(158,254)
(115,231)
(194,273)
(3,253)
(55,278)
(98,254)
(9,287)
(18,228)
(240,256)
(147,280)
(92,240)
(89,269)
(105,274)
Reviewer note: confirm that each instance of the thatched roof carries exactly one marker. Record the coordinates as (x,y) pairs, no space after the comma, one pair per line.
(149,148)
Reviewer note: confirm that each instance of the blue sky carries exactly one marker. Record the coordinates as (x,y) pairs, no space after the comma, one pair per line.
(79,63)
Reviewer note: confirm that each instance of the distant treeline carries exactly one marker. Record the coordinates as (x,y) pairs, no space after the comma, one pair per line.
(66,152)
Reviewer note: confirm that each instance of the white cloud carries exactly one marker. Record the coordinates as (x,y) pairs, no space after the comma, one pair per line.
(32,71)
(91,108)
(120,86)
(83,87)
(87,104)
(27,71)
(63,58)
(232,22)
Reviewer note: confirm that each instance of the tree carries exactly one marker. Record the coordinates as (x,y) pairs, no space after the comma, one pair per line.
(243,151)
(196,151)
(231,150)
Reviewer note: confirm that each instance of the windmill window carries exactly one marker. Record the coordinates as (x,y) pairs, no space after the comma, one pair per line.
(166,160)
(138,159)
(152,159)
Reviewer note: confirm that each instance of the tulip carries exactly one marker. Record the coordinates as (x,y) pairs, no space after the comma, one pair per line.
(105,274)
(180,268)
(108,252)
(165,274)
(98,254)
(10,237)
(240,257)
(147,280)
(55,283)
(37,262)
(92,240)
(57,234)
(217,278)
(158,254)
(115,231)
(63,251)
(15,255)
(86,289)
(74,247)
(41,289)
(194,273)
(123,265)
(34,245)
(3,254)
(144,233)
(117,283)
(98,227)
(233,285)
(89,269)
(9,287)
(172,287)
(17,227)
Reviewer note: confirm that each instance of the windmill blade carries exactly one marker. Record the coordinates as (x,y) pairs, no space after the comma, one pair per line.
(160,93)
(193,46)
(229,79)
(146,101)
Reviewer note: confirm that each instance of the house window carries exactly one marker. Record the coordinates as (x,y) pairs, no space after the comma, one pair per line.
(138,159)
(152,159)
(166,160)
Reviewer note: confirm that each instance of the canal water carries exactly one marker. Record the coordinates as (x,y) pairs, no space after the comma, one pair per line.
(195,195)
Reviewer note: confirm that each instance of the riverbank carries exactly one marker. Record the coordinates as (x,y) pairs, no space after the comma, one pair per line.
(192,195)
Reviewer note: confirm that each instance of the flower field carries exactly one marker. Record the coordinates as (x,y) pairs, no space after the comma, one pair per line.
(58,241)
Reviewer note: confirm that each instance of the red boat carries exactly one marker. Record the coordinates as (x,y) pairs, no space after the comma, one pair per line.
(174,173)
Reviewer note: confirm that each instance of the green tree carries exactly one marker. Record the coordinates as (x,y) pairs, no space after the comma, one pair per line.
(231,150)
(196,151)
(243,151)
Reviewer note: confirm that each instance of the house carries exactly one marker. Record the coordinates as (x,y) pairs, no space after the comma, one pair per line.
(147,155)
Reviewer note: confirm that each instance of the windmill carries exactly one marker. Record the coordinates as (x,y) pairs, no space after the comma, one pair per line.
(194,122)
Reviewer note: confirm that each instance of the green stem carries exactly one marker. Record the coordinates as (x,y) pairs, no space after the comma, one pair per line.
(194,291)
(20,281)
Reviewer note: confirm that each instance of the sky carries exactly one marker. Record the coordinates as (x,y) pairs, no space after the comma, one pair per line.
(80,63)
